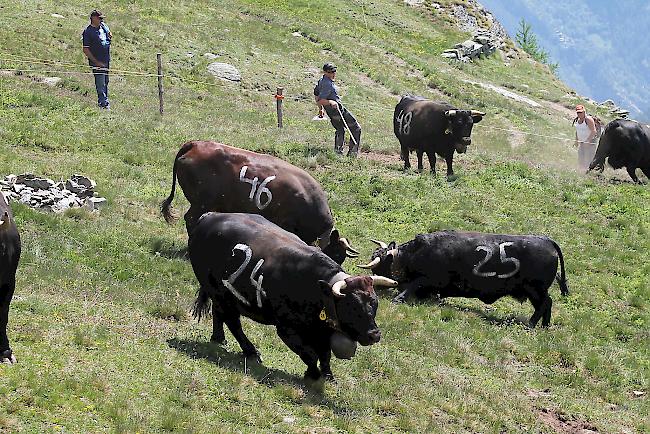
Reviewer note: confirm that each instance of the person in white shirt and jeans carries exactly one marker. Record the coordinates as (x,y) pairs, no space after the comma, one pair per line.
(585,138)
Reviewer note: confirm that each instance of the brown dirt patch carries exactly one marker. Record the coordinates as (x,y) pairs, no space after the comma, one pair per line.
(381,158)
(563,424)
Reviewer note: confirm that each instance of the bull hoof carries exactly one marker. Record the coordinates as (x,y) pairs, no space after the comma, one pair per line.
(329,377)
(255,357)
(7,358)
(312,375)
(218,340)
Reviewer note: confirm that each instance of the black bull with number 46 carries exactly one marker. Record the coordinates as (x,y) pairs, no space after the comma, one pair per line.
(475,265)
(217,177)
(248,266)
(432,128)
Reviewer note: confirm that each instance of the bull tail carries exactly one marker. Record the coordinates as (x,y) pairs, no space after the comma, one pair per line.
(166,205)
(561,278)
(202,304)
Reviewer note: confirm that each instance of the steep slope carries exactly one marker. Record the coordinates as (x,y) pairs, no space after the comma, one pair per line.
(99,322)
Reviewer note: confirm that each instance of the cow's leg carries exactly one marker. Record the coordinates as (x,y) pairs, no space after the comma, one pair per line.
(6,292)
(632,172)
(405,157)
(218,335)
(546,318)
(541,303)
(324,355)
(450,169)
(408,288)
(431,156)
(234,325)
(307,354)
(419,153)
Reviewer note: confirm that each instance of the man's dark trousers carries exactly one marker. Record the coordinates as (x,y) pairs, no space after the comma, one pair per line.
(337,123)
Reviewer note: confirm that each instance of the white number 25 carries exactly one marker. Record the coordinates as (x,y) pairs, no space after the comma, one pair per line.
(504,260)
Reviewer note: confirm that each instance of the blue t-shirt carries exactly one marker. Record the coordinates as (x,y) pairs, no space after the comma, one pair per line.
(96,38)
(326,89)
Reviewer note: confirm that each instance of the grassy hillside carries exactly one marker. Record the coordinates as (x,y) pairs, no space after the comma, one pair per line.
(100,322)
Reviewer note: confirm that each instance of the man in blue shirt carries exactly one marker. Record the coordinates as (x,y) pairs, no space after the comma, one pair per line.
(326,96)
(97,48)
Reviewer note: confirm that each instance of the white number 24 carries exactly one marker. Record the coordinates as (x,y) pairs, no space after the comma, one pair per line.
(257,283)
(504,260)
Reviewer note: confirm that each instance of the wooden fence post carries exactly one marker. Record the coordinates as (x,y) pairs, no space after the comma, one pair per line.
(160,83)
(278,98)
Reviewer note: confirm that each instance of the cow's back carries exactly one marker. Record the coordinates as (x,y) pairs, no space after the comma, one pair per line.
(484,261)
(218,177)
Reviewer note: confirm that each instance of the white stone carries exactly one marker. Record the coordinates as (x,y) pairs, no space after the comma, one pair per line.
(94,203)
(210,56)
(51,81)
(57,16)
(224,71)
(297,34)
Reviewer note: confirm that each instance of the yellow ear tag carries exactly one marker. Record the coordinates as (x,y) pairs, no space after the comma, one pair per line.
(322,315)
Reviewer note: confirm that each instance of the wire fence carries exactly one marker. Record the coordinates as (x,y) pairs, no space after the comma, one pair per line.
(59,67)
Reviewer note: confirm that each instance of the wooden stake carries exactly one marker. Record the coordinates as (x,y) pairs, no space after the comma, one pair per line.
(160,83)
(278,98)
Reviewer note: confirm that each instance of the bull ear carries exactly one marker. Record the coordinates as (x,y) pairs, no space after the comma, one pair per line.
(477,118)
(392,245)
(334,236)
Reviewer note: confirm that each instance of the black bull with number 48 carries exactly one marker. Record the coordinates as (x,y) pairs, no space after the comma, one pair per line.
(217,177)
(475,265)
(248,266)
(433,128)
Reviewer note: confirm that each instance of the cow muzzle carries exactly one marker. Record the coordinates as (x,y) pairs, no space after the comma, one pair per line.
(373,337)
(462,144)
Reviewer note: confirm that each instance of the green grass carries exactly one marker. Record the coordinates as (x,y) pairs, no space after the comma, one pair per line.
(100,320)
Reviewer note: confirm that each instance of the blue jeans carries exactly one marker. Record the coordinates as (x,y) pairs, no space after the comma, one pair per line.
(101,85)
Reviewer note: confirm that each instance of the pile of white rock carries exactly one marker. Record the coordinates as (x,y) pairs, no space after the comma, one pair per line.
(482,44)
(614,109)
(46,194)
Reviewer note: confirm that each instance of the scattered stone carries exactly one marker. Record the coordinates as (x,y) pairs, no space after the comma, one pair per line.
(638,393)
(297,34)
(608,103)
(414,2)
(94,203)
(50,81)
(224,71)
(288,419)
(189,54)
(45,194)
(57,15)
(211,56)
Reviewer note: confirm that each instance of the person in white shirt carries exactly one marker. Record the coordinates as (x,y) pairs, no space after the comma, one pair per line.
(585,138)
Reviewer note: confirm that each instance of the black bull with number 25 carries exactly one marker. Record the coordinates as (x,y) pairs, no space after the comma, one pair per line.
(217,177)
(248,266)
(475,265)
(433,128)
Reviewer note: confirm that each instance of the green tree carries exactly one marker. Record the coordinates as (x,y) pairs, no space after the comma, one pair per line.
(527,40)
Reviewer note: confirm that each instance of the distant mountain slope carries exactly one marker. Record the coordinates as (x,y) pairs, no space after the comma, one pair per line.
(599,45)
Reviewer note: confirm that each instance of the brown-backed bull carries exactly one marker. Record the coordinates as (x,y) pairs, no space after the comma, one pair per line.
(248,266)
(9,257)
(624,143)
(217,177)
(433,128)
(474,265)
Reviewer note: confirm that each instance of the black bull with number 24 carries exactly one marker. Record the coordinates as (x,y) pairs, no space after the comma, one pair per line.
(433,128)
(475,265)
(248,266)
(217,177)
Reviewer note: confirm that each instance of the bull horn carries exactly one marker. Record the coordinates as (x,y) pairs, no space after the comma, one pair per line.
(477,113)
(381,244)
(371,264)
(345,243)
(450,113)
(383,281)
(338,287)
